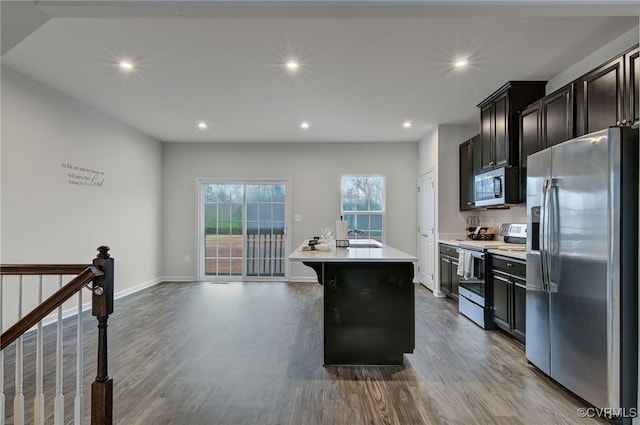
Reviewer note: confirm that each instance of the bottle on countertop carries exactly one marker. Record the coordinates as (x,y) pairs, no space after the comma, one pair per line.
(341,229)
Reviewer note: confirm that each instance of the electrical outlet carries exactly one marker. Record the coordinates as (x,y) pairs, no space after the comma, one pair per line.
(187,258)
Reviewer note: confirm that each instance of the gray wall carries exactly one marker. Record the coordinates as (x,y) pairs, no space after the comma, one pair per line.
(315,170)
(439,150)
(48,219)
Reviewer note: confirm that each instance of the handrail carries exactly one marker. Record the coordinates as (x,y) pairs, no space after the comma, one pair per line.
(42,269)
(50,304)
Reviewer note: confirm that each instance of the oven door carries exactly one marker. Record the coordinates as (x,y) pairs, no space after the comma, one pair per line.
(475,272)
(472,301)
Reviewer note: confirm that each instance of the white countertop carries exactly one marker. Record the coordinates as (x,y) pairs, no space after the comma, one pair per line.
(384,253)
(520,255)
(493,247)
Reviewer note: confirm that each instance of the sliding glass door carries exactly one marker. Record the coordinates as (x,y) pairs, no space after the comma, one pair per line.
(242,229)
(223,225)
(265,229)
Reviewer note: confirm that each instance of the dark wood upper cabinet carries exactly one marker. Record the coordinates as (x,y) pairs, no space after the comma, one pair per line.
(557,117)
(545,123)
(608,95)
(499,122)
(470,156)
(530,140)
(632,83)
(486,131)
(600,97)
(476,157)
(501,134)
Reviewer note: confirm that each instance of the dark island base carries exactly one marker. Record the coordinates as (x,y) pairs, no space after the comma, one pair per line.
(369,312)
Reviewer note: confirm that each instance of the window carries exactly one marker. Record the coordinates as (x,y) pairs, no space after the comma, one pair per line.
(363,205)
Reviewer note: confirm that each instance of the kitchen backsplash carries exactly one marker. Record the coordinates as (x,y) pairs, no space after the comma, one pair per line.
(495,217)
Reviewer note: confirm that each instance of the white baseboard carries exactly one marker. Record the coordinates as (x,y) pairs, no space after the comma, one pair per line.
(425,285)
(439,294)
(70,312)
(303,279)
(177,279)
(134,289)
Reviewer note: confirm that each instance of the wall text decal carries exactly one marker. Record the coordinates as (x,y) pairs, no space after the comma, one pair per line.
(83,176)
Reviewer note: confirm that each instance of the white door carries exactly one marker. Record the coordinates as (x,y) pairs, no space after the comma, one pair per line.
(426,230)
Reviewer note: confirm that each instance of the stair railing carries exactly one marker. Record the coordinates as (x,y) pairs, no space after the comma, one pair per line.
(100,275)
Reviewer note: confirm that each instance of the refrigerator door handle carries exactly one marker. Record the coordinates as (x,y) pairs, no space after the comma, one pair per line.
(553,231)
(544,240)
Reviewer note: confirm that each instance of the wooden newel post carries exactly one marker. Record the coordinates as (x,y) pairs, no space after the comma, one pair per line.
(102,307)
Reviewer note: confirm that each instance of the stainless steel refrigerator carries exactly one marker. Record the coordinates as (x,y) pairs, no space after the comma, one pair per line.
(582,272)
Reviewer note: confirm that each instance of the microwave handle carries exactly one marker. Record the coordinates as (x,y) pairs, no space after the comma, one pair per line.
(497,187)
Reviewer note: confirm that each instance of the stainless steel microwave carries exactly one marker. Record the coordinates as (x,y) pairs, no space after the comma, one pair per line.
(497,187)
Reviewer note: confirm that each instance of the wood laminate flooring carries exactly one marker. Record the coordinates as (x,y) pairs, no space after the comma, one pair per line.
(251,354)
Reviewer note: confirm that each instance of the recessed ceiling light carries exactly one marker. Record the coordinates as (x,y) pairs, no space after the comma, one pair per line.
(202,125)
(292,66)
(407,124)
(460,63)
(125,65)
(304,125)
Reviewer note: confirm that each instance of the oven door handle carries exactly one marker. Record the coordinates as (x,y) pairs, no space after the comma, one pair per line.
(475,254)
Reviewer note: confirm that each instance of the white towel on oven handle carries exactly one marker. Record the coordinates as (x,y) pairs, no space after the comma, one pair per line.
(465,264)
(461,255)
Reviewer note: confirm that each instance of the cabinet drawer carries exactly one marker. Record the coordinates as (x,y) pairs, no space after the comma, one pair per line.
(509,265)
(448,250)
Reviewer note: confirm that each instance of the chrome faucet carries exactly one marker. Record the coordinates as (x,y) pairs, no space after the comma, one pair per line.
(355,232)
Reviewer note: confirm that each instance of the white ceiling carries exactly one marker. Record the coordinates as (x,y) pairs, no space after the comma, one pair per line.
(366,66)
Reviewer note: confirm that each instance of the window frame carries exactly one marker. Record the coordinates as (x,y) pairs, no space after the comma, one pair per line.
(382,212)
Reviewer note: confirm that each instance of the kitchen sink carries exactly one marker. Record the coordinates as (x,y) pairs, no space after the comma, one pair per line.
(363,245)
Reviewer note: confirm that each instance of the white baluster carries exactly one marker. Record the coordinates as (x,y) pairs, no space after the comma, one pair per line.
(58,401)
(2,398)
(18,400)
(38,401)
(79,400)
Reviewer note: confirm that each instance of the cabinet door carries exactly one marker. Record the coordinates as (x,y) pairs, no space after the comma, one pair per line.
(529,141)
(600,98)
(632,73)
(476,160)
(519,309)
(466,201)
(501,130)
(356,297)
(501,301)
(557,117)
(445,274)
(486,136)
(455,279)
(470,164)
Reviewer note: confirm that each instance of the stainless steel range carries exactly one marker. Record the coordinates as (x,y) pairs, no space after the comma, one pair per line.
(474,296)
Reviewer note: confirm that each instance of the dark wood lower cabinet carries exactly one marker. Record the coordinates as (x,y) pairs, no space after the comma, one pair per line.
(508,283)
(449,278)
(501,300)
(369,311)
(520,308)
(445,274)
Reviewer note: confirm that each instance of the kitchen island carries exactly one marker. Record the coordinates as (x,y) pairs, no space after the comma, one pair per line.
(369,307)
